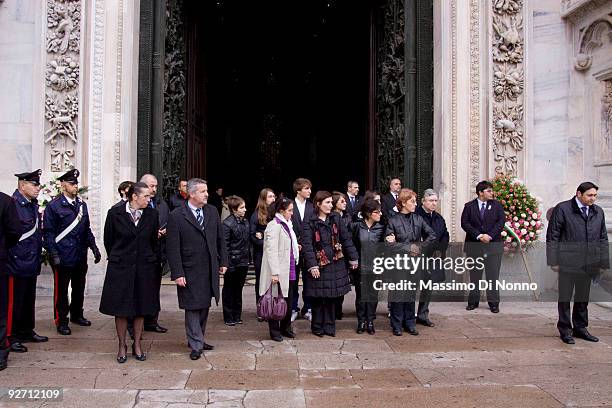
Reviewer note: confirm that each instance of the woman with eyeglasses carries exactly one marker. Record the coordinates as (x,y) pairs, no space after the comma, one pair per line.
(411,229)
(367,231)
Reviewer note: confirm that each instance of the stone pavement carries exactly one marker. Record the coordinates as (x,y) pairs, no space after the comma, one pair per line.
(470,359)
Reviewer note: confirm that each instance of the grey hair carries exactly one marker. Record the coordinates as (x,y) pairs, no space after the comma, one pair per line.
(147,176)
(429,192)
(192,184)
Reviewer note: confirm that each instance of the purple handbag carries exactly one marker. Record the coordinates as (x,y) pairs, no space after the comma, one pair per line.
(272,305)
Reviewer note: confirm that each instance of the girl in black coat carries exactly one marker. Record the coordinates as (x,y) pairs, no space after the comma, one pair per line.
(130,284)
(366,231)
(236,236)
(339,202)
(325,243)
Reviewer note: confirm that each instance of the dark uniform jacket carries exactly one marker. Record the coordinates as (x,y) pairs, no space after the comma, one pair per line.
(10,229)
(196,253)
(58,215)
(24,258)
(236,236)
(576,243)
(334,279)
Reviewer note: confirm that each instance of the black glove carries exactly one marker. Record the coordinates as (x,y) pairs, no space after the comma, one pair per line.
(97,255)
(54,259)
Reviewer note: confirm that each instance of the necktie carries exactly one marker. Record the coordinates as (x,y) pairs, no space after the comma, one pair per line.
(135,216)
(482,210)
(352,201)
(199,216)
(152,203)
(585,211)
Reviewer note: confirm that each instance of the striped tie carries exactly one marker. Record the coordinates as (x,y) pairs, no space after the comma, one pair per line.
(199,216)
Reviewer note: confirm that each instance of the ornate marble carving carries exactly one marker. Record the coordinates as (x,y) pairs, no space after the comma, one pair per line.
(62,82)
(594,36)
(606,122)
(453,84)
(475,105)
(576,10)
(508,45)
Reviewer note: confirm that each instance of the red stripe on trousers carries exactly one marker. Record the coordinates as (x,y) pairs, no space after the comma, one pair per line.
(9,316)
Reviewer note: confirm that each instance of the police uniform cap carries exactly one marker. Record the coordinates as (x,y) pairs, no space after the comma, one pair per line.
(71,176)
(33,177)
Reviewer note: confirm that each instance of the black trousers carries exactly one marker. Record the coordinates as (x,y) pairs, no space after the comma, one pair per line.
(492,264)
(62,277)
(402,315)
(277,327)
(233,282)
(4,343)
(323,315)
(21,307)
(257,258)
(151,320)
(424,299)
(578,287)
(366,311)
(339,302)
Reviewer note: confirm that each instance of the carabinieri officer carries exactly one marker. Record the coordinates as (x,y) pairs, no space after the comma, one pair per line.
(24,264)
(67,235)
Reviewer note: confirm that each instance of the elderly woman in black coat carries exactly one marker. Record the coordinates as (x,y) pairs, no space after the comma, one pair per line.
(325,243)
(130,284)
(409,228)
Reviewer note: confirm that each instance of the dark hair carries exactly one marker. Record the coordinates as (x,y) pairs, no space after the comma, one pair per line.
(233,203)
(336,195)
(586,186)
(483,185)
(370,194)
(136,188)
(300,183)
(368,207)
(319,198)
(123,186)
(262,208)
(279,205)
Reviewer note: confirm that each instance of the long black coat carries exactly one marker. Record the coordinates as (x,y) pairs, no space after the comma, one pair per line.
(130,285)
(576,243)
(10,229)
(196,253)
(334,279)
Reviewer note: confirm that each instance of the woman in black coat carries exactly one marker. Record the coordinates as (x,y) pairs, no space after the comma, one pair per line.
(130,284)
(410,228)
(325,243)
(236,236)
(339,202)
(367,231)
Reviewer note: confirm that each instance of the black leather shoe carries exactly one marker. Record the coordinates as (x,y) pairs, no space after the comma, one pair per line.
(371,329)
(34,338)
(122,359)
(412,330)
(361,327)
(397,332)
(494,309)
(2,365)
(330,334)
(81,321)
(139,357)
(289,334)
(425,322)
(207,347)
(318,334)
(230,323)
(471,306)
(567,339)
(585,335)
(277,338)
(157,329)
(195,354)
(17,347)
(64,330)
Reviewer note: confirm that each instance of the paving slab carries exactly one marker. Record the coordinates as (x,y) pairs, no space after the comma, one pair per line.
(242,379)
(143,379)
(291,398)
(326,379)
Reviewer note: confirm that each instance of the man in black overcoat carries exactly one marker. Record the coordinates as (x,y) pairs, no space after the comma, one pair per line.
(354,200)
(389,200)
(577,249)
(483,221)
(197,256)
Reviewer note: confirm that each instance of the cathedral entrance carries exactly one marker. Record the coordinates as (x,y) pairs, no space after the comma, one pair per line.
(258,93)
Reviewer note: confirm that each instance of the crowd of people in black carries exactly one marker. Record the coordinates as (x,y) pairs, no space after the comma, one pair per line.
(200,238)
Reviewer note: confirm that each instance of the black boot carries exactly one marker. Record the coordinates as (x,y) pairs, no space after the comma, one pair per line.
(361,327)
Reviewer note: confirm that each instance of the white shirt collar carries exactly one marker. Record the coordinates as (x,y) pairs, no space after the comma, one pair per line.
(70,200)
(301,207)
(580,205)
(480,203)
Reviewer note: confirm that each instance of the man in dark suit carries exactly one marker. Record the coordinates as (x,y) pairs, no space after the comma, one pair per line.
(428,211)
(151,322)
(122,190)
(354,200)
(302,211)
(10,231)
(177,199)
(197,256)
(573,224)
(389,200)
(483,221)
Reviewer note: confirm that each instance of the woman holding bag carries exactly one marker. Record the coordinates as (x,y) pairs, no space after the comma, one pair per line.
(280,256)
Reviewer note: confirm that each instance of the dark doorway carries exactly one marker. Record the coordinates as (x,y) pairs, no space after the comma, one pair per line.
(286,91)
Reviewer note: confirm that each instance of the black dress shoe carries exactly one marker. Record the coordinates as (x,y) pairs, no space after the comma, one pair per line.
(195,354)
(425,322)
(494,309)
(585,335)
(207,347)
(567,339)
(412,330)
(318,334)
(277,338)
(471,306)
(239,321)
(397,332)
(34,338)
(81,321)
(157,329)
(64,330)
(361,327)
(139,357)
(371,329)
(17,347)
(330,334)
(288,333)
(228,323)
(2,365)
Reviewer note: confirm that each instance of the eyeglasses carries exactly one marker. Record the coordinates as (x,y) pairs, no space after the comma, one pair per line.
(376,212)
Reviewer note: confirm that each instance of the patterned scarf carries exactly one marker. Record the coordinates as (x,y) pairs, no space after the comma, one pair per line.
(322,258)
